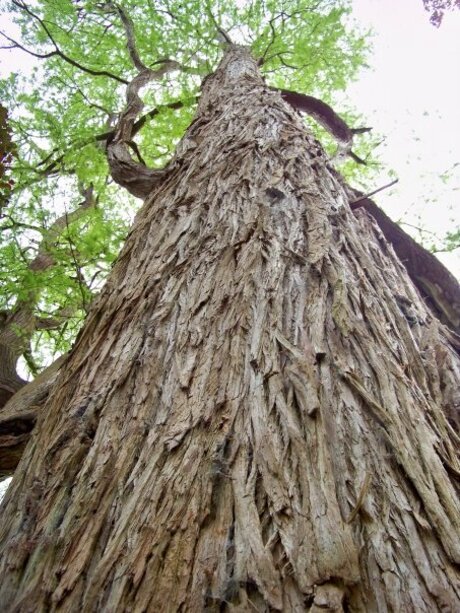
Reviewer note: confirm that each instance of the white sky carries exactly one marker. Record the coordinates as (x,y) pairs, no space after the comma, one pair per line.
(411,96)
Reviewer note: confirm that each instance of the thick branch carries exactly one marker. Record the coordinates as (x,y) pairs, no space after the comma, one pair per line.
(328,118)
(135,177)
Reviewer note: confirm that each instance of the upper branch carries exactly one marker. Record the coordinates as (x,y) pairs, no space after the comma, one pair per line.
(134,176)
(131,41)
(328,118)
(57,51)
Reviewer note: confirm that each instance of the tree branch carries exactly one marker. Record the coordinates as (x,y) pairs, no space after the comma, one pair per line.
(44,259)
(328,118)
(18,325)
(355,203)
(57,50)
(131,42)
(52,166)
(135,177)
(17,45)
(80,278)
(438,287)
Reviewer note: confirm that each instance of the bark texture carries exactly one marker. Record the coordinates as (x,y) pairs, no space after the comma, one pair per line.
(254,417)
(438,287)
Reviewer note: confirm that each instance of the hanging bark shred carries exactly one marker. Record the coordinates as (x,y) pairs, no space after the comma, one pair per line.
(249,419)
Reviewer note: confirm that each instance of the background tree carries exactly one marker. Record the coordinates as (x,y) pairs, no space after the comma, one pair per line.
(242,399)
(7,149)
(437,8)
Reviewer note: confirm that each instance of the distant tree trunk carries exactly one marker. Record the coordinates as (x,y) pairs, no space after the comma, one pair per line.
(255,415)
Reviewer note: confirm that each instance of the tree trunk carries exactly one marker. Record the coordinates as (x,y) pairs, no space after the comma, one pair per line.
(255,416)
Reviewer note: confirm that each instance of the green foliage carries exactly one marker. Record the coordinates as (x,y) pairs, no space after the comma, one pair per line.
(74,94)
(7,151)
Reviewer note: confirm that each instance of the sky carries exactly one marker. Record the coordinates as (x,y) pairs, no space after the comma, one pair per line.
(410,95)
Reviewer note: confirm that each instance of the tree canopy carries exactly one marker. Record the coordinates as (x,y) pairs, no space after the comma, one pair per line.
(63,218)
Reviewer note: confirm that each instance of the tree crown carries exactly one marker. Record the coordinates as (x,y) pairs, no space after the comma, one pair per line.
(64,220)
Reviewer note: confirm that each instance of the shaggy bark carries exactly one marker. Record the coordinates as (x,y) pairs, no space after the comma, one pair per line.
(250,419)
(438,287)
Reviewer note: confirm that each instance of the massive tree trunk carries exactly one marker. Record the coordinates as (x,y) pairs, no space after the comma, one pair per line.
(257,414)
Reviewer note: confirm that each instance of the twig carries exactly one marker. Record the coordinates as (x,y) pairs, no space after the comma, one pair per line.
(263,59)
(353,203)
(418,228)
(77,90)
(224,39)
(80,278)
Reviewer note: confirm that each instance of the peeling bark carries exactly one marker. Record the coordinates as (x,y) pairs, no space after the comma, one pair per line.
(250,419)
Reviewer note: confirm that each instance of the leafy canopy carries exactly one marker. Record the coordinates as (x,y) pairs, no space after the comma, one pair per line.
(64,219)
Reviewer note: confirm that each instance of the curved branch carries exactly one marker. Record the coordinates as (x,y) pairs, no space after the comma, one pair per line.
(135,177)
(328,118)
(131,42)
(51,167)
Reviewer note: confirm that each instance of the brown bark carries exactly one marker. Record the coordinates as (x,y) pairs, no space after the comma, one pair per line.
(249,419)
(437,286)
